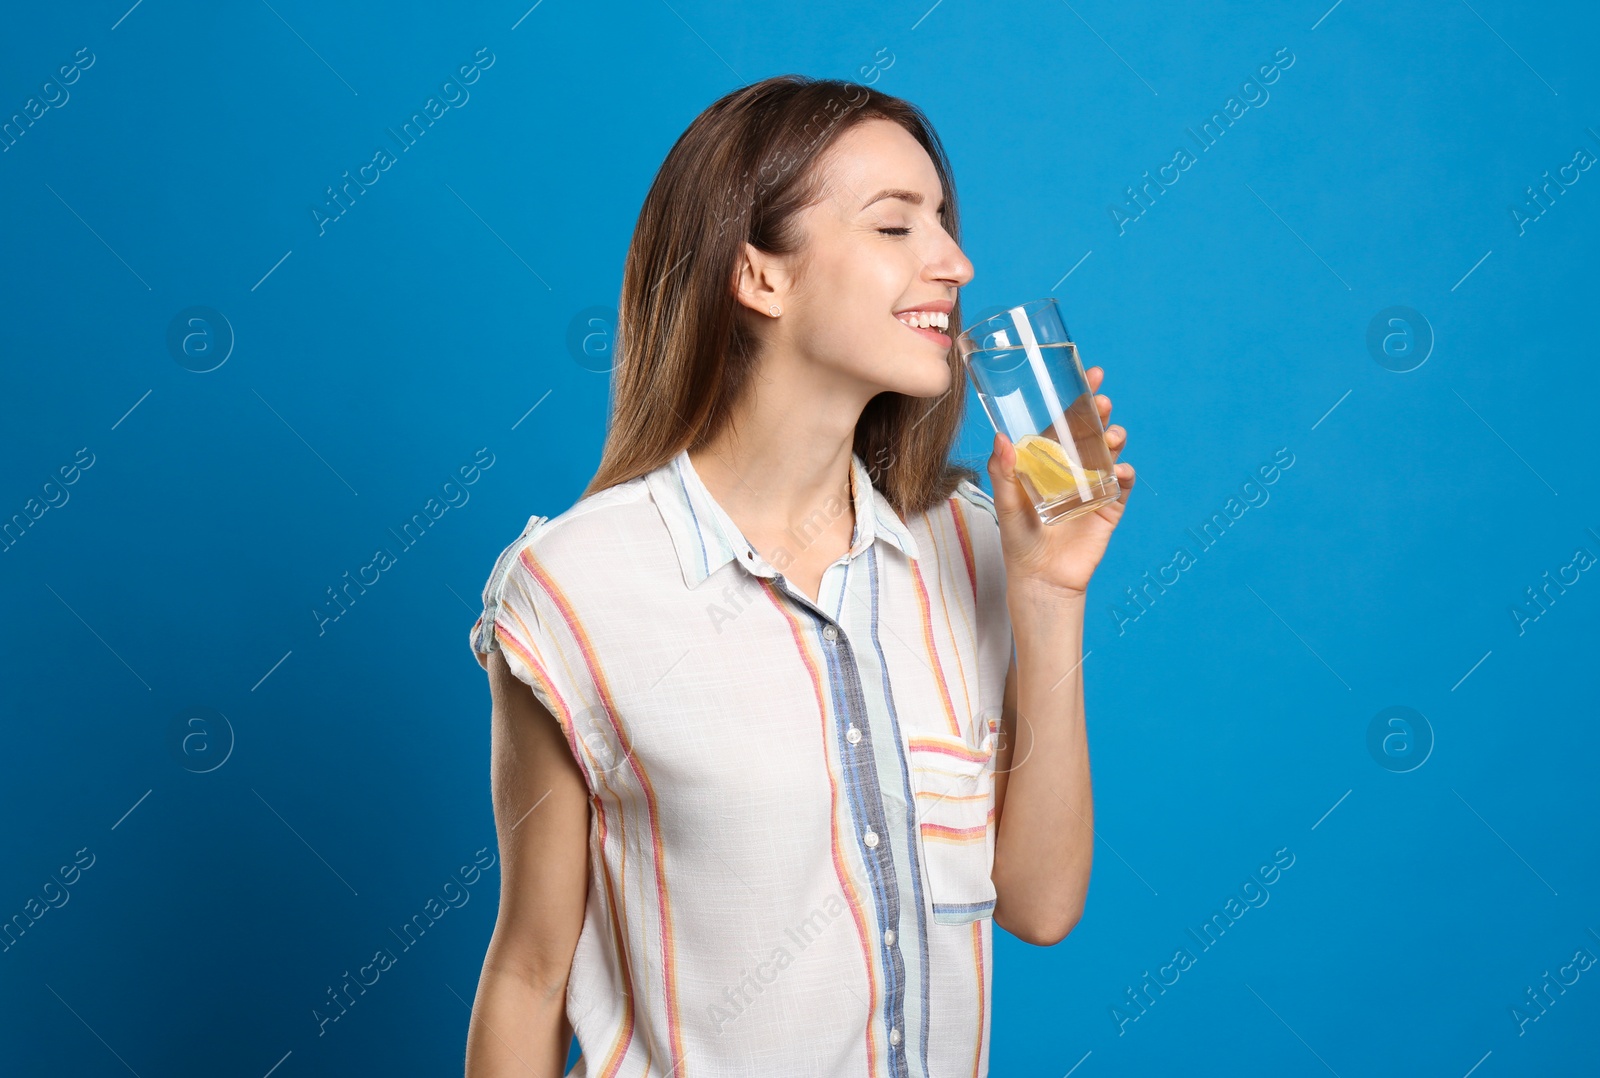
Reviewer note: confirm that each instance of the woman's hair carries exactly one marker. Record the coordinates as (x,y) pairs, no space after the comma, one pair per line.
(740,173)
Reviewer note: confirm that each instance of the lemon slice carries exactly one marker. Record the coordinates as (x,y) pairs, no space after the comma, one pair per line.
(1044,461)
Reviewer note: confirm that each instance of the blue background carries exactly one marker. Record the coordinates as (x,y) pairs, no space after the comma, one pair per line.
(340,777)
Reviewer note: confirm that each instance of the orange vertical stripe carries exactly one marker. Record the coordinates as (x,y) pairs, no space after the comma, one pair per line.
(966,548)
(833,813)
(619,1050)
(563,714)
(652,807)
(977,954)
(933,650)
(944,607)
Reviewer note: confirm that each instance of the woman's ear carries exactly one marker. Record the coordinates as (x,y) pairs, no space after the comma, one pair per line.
(758,281)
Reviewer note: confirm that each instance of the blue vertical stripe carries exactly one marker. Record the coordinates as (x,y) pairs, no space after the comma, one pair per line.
(911,805)
(866,809)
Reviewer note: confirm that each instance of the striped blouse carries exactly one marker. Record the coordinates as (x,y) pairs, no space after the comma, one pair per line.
(792,826)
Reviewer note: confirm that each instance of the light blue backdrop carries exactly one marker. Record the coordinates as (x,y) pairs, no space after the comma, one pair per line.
(219,800)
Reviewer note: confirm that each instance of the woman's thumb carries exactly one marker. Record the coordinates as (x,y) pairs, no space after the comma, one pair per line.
(1009,497)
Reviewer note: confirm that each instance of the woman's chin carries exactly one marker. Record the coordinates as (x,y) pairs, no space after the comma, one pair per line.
(932,380)
(915,376)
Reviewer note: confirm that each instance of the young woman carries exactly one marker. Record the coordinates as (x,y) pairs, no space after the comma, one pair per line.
(765,763)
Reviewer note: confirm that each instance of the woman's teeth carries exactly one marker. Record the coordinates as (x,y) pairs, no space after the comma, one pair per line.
(925,319)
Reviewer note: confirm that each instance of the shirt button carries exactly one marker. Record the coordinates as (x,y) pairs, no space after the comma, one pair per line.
(831,633)
(894,1036)
(852,735)
(871,839)
(888,937)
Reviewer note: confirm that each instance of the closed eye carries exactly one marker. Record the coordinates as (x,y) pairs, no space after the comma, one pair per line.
(895,231)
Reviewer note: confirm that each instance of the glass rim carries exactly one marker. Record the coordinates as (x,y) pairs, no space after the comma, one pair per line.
(1029,307)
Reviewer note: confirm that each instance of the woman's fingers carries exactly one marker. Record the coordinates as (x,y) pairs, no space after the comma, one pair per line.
(1116,439)
(1125,477)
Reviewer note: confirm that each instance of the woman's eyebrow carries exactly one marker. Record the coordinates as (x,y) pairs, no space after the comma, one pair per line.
(903,195)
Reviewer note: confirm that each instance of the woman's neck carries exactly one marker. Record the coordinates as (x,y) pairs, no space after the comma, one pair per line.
(786,455)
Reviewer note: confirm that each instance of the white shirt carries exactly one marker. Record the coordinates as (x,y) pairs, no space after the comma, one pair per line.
(763,900)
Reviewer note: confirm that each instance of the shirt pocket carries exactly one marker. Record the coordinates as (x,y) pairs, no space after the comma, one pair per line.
(954,786)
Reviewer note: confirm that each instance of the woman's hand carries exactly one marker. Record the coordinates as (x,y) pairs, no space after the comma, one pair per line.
(1059,557)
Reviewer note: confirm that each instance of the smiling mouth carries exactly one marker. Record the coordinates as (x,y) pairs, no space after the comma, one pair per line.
(924,319)
(930,325)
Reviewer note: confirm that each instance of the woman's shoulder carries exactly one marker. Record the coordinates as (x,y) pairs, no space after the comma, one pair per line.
(966,513)
(581,551)
(592,529)
(968,494)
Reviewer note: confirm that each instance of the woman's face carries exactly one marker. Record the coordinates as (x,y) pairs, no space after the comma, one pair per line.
(873,252)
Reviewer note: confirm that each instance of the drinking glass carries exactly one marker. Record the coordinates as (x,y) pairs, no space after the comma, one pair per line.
(1030,380)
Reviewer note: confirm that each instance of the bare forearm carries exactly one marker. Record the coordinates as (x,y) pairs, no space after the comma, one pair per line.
(518,1030)
(1045,843)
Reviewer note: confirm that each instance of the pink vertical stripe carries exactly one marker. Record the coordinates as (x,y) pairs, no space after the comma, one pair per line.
(563,714)
(933,650)
(966,548)
(977,955)
(944,607)
(668,943)
(833,810)
(619,1050)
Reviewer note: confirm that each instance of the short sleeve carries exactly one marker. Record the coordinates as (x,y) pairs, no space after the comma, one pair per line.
(524,621)
(513,624)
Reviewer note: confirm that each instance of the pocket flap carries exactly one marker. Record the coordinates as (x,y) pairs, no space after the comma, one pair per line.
(954,787)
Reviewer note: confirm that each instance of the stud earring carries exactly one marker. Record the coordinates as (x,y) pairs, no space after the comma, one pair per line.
(775,310)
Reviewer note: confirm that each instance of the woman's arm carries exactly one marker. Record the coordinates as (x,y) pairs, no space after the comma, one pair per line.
(1044,839)
(541,811)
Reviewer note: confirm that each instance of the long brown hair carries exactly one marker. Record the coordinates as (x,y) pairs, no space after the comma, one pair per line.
(740,173)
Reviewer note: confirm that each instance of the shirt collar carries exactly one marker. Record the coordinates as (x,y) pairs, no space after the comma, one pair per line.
(706,538)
